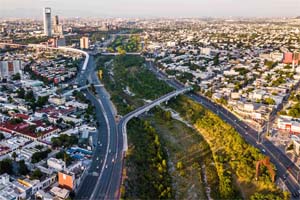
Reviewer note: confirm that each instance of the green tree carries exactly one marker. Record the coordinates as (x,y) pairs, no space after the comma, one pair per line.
(6,166)
(16,76)
(179,165)
(14,155)
(36,174)
(2,136)
(269,101)
(38,156)
(23,170)
(21,93)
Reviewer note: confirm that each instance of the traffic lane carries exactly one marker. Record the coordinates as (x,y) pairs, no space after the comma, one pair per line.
(87,187)
(105,179)
(113,192)
(109,166)
(230,116)
(271,147)
(95,165)
(102,128)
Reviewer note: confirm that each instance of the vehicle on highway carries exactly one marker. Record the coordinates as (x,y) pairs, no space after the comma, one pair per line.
(284,177)
(97,158)
(106,166)
(295,194)
(113,160)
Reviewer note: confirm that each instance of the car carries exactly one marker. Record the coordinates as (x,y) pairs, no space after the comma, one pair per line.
(109,151)
(113,160)
(284,177)
(97,158)
(97,167)
(106,166)
(263,150)
(295,194)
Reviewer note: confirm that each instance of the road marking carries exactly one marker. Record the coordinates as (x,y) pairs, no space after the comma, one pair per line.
(108,144)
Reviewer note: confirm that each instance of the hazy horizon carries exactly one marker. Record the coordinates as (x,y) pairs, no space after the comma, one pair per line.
(153,8)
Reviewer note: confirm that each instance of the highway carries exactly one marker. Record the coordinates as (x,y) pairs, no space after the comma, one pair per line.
(286,169)
(104,175)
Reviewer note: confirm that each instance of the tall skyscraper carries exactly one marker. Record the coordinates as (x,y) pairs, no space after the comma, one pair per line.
(47,22)
(57,27)
(84,43)
(55,21)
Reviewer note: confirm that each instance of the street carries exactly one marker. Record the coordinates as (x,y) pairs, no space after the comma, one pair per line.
(103,180)
(286,169)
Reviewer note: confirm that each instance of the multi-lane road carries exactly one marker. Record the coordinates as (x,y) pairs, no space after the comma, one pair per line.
(286,169)
(104,174)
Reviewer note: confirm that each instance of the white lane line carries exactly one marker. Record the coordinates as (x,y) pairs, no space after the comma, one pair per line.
(108,144)
(267,149)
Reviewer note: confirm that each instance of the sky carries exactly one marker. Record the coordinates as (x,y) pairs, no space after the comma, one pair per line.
(151,8)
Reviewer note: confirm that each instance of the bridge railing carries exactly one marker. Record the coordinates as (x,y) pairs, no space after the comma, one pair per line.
(145,108)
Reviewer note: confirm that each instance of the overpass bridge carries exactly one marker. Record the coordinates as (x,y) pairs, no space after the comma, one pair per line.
(66,49)
(116,54)
(125,119)
(69,93)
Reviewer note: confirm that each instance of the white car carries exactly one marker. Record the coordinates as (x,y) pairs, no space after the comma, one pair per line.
(97,158)
(106,166)
(113,160)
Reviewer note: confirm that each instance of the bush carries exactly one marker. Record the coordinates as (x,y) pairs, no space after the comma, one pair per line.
(147,162)
(232,155)
(41,155)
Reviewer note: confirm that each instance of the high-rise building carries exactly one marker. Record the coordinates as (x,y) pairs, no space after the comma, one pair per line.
(57,27)
(47,22)
(84,43)
(55,21)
